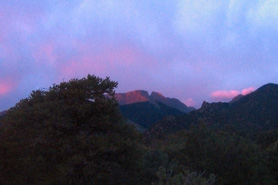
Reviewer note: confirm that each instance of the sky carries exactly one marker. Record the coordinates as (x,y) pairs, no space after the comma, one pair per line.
(193,50)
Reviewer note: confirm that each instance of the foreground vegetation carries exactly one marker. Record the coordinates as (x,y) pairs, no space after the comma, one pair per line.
(73,134)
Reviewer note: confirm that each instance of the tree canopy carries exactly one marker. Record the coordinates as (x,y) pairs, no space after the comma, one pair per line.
(71,133)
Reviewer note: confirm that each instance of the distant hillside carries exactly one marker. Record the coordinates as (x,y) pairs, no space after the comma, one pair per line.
(143,96)
(236,98)
(145,110)
(256,111)
(147,113)
(172,102)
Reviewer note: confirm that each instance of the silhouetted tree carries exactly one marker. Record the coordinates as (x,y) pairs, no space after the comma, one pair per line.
(69,134)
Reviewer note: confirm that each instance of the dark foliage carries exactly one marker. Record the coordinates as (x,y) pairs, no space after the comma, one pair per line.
(233,158)
(70,134)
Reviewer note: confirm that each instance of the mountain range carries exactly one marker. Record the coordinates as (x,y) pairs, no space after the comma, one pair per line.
(145,110)
(143,96)
(255,111)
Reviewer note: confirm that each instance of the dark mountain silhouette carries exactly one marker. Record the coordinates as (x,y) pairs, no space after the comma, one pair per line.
(147,113)
(145,110)
(236,98)
(172,102)
(143,96)
(255,111)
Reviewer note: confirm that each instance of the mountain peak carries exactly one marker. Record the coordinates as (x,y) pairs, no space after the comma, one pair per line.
(205,105)
(132,97)
(156,95)
(268,87)
(143,96)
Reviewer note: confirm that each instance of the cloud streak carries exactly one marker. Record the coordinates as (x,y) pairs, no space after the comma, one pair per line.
(247,91)
(224,95)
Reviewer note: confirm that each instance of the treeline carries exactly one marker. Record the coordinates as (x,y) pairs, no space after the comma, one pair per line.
(73,134)
(232,156)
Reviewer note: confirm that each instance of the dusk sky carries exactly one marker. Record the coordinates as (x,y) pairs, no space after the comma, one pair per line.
(193,50)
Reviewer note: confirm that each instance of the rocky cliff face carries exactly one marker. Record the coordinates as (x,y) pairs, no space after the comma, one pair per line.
(143,96)
(132,97)
(145,110)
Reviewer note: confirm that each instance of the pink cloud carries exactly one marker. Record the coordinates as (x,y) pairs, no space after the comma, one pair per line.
(83,65)
(6,87)
(103,59)
(121,61)
(224,95)
(124,54)
(189,102)
(247,91)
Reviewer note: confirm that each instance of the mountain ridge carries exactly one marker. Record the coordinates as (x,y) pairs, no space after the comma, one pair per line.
(256,111)
(137,96)
(132,97)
